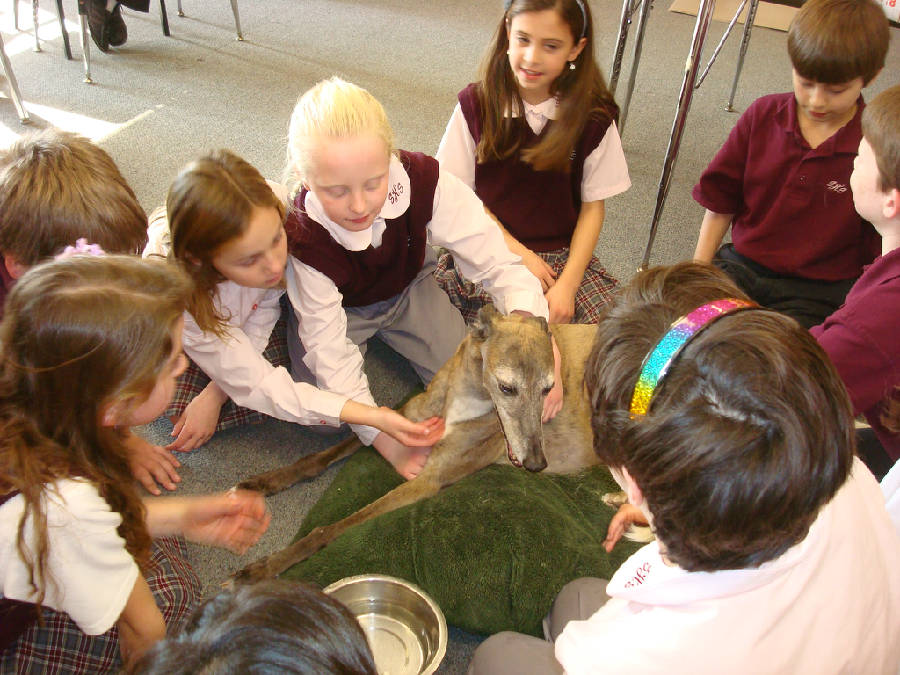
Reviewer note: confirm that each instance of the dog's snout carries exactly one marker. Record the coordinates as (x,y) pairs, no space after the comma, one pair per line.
(536,462)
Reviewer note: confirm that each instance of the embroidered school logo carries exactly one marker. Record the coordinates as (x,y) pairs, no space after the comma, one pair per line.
(642,572)
(395,192)
(834,186)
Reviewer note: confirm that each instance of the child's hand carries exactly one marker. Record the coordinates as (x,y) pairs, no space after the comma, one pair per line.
(625,517)
(414,434)
(561,300)
(553,401)
(539,268)
(408,461)
(198,422)
(150,464)
(234,520)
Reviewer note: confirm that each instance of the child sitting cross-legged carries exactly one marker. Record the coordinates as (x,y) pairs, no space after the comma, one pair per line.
(89,344)
(781,181)
(730,430)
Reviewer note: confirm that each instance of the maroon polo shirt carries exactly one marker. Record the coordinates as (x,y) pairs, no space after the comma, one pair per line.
(792,205)
(539,208)
(863,340)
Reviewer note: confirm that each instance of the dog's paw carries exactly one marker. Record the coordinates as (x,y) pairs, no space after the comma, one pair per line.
(615,499)
(250,574)
(639,533)
(255,484)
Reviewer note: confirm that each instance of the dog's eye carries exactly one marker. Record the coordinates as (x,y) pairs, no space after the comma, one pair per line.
(546,390)
(507,389)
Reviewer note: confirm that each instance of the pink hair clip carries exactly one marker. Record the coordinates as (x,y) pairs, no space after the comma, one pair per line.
(81,247)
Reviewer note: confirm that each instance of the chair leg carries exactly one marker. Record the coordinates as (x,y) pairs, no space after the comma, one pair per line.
(62,27)
(180,11)
(745,42)
(34,13)
(85,41)
(237,18)
(13,86)
(164,17)
(16,14)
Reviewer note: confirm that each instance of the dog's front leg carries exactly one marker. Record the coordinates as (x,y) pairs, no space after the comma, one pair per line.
(306,467)
(407,493)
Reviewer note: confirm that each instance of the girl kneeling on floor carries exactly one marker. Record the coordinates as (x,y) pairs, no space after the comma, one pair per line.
(91,343)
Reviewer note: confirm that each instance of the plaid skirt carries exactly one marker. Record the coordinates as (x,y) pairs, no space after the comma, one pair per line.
(59,646)
(596,289)
(193,380)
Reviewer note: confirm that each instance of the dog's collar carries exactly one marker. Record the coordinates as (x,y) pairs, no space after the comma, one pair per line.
(656,364)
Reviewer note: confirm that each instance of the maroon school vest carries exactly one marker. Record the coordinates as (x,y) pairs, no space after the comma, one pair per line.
(374,274)
(539,208)
(16,616)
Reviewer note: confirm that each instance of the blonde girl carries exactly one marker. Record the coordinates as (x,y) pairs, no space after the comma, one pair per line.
(536,139)
(90,344)
(225,228)
(364,219)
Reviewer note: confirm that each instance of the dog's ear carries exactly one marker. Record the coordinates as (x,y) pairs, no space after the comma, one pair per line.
(544,325)
(484,322)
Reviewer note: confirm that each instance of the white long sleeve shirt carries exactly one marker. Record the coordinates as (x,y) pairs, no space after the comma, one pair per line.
(236,363)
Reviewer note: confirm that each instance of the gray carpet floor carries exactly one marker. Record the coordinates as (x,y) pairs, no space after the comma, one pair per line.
(159,102)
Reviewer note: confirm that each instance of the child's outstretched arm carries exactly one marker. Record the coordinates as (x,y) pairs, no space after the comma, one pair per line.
(712,232)
(561,296)
(338,365)
(198,422)
(234,520)
(150,464)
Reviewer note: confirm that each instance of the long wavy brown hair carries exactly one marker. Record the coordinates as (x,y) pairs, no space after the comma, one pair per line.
(209,204)
(79,335)
(581,93)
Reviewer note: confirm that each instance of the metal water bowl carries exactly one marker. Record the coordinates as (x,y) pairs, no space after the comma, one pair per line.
(405,627)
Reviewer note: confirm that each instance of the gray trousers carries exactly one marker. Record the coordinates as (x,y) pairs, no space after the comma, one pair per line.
(420,324)
(516,654)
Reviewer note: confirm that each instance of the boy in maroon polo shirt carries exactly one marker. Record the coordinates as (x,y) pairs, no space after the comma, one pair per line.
(861,337)
(781,179)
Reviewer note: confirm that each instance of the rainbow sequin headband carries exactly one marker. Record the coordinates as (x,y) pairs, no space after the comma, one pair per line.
(656,363)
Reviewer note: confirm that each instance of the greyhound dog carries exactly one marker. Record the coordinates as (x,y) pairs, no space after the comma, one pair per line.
(490,394)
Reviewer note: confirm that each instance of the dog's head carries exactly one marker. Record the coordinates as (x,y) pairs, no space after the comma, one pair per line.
(517,371)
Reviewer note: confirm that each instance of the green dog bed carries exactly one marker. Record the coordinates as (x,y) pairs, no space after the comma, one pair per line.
(493,550)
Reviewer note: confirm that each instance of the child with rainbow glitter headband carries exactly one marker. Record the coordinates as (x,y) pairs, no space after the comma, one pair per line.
(90,571)
(728,427)
(861,336)
(536,139)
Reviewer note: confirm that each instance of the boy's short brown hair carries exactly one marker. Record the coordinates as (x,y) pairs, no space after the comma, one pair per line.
(55,187)
(835,41)
(881,129)
(747,436)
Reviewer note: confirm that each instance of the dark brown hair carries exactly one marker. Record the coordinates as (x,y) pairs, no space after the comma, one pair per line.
(209,204)
(747,436)
(56,187)
(581,93)
(881,129)
(78,335)
(835,41)
(268,627)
